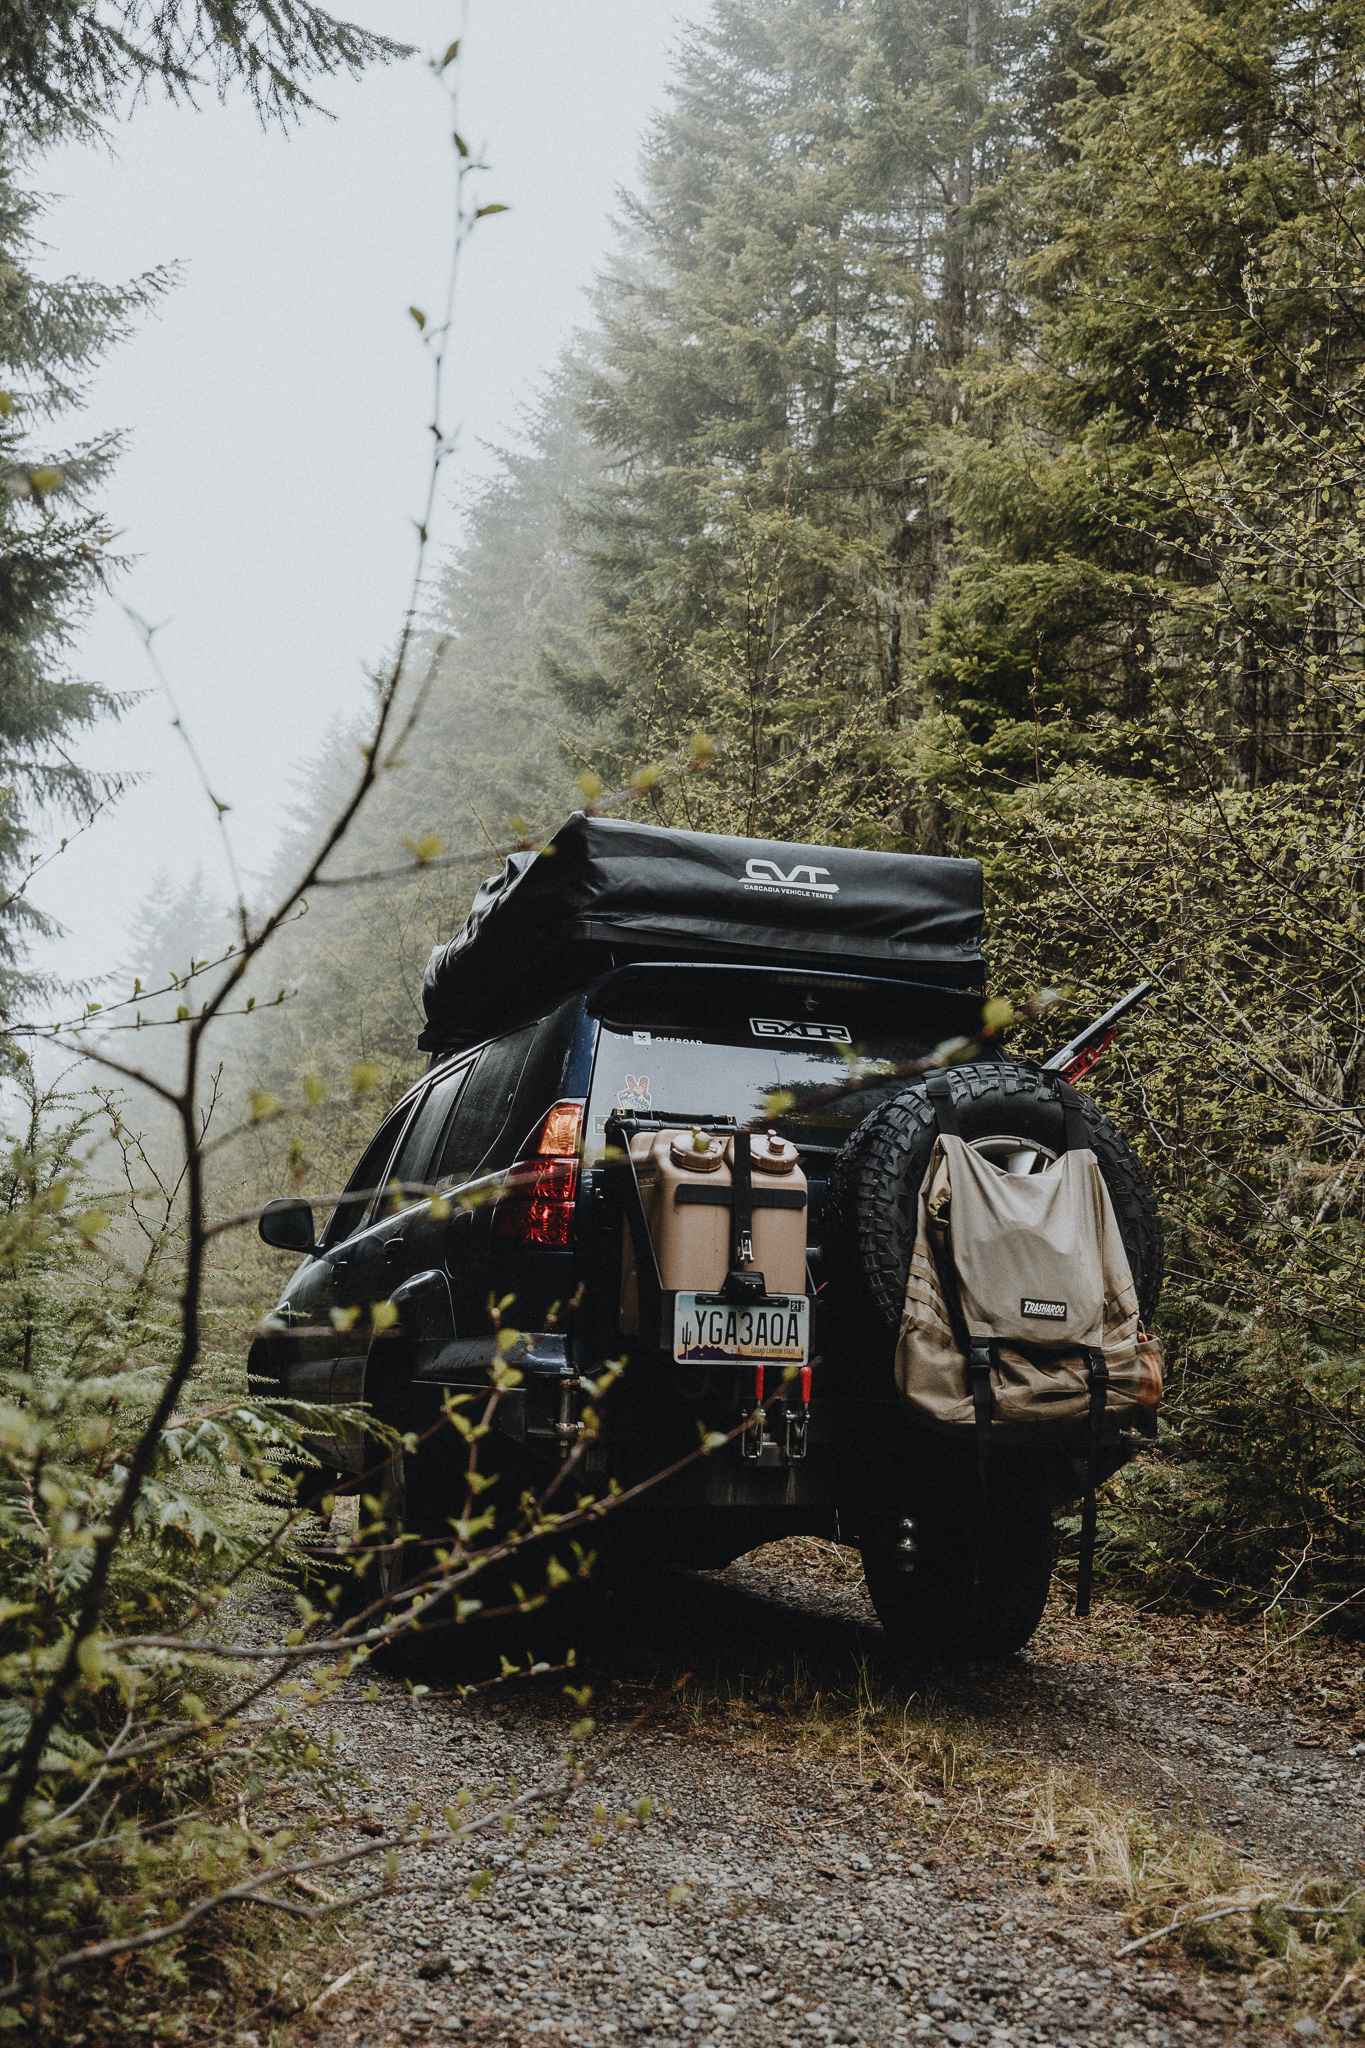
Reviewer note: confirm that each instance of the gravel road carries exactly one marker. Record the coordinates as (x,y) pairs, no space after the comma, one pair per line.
(770,1897)
(1201,1731)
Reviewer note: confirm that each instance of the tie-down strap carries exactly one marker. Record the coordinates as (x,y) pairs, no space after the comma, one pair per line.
(1076,1136)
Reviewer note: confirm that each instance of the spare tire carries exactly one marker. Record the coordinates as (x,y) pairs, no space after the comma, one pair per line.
(1011,1111)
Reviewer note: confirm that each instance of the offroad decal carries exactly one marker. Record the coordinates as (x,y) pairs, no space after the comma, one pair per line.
(798,1033)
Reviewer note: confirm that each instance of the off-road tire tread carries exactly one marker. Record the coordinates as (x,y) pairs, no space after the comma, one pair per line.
(873,1209)
(946,1611)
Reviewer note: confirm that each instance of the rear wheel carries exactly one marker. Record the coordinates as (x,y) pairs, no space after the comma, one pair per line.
(416,1494)
(964,1578)
(399,1544)
(957,1581)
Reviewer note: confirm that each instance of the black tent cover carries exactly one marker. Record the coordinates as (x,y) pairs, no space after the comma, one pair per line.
(605,891)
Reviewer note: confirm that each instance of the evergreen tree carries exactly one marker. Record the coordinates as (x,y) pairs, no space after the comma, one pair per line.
(493,753)
(177,927)
(54,551)
(65,62)
(1158,507)
(67,66)
(1148,666)
(808,269)
(981,394)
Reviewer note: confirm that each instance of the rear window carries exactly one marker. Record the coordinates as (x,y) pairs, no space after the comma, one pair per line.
(813,1075)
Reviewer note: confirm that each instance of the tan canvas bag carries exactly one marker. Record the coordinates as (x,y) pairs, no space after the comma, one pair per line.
(1021,1317)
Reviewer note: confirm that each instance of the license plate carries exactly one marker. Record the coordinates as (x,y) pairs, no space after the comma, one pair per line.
(710,1331)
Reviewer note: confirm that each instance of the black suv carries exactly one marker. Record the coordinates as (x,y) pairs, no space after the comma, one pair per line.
(497,1209)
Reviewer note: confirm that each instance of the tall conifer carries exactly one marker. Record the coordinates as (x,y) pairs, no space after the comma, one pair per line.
(807,270)
(54,552)
(1158,502)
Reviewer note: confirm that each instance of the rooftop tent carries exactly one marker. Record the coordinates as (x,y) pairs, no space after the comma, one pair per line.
(606,891)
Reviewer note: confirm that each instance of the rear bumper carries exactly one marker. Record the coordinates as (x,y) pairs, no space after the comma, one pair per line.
(541,1411)
(810,1458)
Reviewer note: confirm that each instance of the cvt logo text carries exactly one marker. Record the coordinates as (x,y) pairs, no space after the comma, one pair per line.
(802,880)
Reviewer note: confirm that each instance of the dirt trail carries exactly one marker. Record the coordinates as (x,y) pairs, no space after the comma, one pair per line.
(1158,1711)
(772,1897)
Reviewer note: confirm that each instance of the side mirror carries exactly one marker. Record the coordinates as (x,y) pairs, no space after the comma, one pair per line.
(287,1225)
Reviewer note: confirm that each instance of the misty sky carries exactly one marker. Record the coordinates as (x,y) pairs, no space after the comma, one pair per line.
(276,405)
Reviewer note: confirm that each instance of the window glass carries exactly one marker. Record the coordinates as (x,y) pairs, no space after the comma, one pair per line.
(813,1079)
(478,1122)
(422,1139)
(369,1175)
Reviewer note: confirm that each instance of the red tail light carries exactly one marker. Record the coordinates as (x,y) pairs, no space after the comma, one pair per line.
(538,1195)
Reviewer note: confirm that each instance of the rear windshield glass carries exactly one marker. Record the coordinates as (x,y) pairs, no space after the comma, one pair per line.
(812,1077)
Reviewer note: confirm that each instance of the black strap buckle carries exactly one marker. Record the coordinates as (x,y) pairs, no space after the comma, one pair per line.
(1097,1376)
(939,1091)
(980,1360)
(741,1282)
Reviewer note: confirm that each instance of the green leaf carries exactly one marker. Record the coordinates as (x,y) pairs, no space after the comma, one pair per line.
(427,847)
(90,1659)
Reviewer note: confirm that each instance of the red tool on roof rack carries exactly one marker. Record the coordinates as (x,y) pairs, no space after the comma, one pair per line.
(1088,1047)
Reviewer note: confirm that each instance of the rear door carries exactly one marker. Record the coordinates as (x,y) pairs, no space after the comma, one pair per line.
(474,1152)
(396,1235)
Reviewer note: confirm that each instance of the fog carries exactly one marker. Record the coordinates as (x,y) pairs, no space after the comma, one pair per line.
(276,407)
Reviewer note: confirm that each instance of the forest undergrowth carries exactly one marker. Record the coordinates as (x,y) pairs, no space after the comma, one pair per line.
(963,453)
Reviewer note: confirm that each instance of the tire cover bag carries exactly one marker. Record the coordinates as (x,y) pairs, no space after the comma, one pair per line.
(1023,1247)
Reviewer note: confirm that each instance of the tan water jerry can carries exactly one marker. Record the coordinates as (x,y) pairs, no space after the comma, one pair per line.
(691,1233)
(779,1230)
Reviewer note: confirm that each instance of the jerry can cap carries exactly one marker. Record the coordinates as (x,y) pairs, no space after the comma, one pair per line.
(696,1151)
(770,1154)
